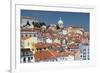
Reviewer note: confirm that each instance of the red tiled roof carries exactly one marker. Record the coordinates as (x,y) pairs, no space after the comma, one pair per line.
(55,45)
(41,45)
(55,53)
(73,46)
(49,54)
(47,45)
(45,55)
(54,35)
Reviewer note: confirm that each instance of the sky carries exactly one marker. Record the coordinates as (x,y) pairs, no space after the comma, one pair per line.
(51,17)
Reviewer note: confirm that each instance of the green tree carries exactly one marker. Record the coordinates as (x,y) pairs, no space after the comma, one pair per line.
(28,23)
(57,27)
(36,24)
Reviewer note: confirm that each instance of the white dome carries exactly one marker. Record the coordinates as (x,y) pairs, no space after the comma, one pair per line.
(60,21)
(44,27)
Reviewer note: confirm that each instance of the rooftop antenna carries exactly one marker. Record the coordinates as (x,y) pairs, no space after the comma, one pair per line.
(60,18)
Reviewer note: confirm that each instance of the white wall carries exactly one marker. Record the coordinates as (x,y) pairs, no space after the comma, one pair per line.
(5,36)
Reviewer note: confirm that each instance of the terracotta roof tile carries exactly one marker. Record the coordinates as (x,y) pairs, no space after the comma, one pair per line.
(45,55)
(41,45)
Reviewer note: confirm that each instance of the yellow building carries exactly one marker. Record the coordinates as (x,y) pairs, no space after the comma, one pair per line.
(75,30)
(29,42)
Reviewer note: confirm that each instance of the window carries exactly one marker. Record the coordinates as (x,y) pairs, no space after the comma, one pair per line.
(88,58)
(24,60)
(26,53)
(32,49)
(81,56)
(40,49)
(84,50)
(34,34)
(84,58)
(84,53)
(37,49)
(28,59)
(88,52)
(44,48)
(26,35)
(22,36)
(30,35)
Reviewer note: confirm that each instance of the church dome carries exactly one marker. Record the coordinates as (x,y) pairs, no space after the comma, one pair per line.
(60,22)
